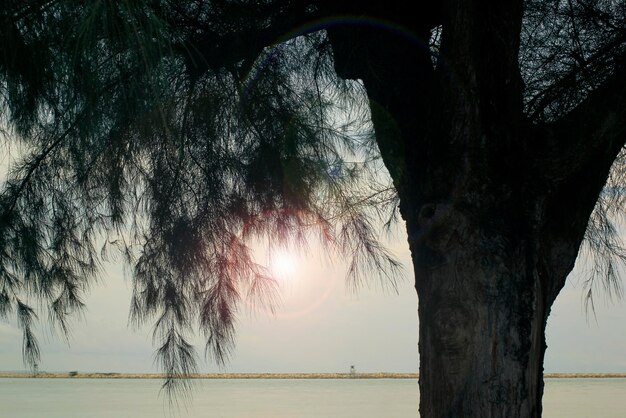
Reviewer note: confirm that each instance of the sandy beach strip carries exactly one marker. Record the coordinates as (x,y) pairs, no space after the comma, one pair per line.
(381,375)
(583,375)
(90,375)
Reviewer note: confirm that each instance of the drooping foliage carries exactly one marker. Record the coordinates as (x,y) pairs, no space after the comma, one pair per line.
(130,140)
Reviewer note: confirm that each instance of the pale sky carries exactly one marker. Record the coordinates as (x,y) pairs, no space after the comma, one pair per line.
(321,327)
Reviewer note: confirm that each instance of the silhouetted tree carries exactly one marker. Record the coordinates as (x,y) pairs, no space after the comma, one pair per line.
(178,131)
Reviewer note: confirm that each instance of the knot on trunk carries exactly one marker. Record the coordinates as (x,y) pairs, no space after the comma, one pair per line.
(453,333)
(441,226)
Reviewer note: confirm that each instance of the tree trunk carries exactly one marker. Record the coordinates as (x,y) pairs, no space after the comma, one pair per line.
(496,207)
(482,311)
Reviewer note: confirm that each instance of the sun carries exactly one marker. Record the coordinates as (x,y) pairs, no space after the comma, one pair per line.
(283,264)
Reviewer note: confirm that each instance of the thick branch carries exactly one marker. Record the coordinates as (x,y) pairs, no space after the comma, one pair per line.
(480,43)
(591,134)
(589,139)
(216,49)
(385,45)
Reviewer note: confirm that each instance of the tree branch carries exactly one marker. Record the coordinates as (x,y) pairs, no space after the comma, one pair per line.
(594,131)
(480,43)
(213,50)
(584,145)
(38,161)
(540,102)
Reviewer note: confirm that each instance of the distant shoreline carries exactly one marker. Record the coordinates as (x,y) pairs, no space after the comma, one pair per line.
(88,375)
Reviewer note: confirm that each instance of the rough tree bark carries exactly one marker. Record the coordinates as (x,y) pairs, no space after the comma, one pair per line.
(495,207)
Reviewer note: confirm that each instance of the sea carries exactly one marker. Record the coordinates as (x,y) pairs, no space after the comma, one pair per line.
(274,398)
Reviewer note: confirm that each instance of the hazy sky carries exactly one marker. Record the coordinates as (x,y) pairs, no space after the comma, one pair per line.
(321,327)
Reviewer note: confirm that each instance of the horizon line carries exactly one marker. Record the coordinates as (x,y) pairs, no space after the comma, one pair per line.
(347,375)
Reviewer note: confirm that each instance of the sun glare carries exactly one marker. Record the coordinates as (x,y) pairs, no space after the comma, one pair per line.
(283,265)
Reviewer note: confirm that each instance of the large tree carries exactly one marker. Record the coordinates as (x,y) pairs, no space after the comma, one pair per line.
(178,131)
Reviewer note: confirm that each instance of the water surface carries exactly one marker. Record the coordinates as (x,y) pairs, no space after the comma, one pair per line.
(275,398)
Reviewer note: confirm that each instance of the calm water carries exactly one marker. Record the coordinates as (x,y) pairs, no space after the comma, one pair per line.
(393,398)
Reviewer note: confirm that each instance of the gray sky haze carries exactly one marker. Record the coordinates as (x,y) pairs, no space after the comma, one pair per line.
(320,326)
